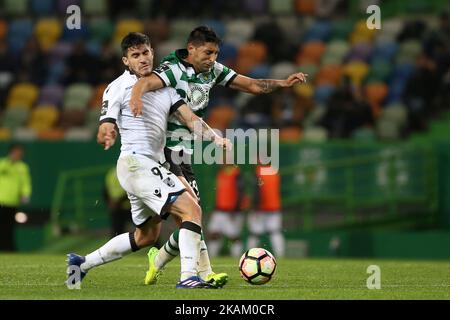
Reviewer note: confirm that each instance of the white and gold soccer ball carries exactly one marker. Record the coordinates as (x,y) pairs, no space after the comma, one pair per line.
(257,266)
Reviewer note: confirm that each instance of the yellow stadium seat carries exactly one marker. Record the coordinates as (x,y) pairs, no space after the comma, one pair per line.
(43,118)
(126,26)
(48,31)
(357,71)
(22,94)
(5,134)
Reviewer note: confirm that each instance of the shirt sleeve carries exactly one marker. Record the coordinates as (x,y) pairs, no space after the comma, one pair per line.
(224,74)
(166,71)
(175,100)
(26,182)
(112,100)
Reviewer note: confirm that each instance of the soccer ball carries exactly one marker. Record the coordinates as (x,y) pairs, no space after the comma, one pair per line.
(257,266)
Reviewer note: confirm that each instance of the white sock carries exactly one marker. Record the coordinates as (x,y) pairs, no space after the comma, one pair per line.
(236,248)
(252,242)
(204,265)
(189,244)
(277,241)
(215,246)
(168,251)
(114,249)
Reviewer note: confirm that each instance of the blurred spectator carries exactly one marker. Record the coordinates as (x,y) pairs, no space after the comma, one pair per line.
(7,64)
(256,112)
(15,189)
(288,108)
(117,201)
(266,215)
(346,111)
(420,93)
(110,64)
(227,219)
(33,62)
(81,66)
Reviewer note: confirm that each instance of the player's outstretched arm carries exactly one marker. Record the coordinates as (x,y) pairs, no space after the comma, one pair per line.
(196,125)
(107,134)
(259,86)
(143,85)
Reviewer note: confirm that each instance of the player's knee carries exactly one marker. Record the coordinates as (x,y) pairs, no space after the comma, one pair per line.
(144,239)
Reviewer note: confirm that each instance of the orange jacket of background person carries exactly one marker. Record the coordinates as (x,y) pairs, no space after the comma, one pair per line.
(267,195)
(229,189)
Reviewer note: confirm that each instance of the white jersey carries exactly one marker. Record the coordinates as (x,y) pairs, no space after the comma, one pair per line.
(145,134)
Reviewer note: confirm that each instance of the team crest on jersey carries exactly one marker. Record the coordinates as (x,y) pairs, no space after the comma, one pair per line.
(197,95)
(169,182)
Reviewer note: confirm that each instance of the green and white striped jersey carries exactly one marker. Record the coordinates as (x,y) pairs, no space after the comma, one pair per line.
(193,88)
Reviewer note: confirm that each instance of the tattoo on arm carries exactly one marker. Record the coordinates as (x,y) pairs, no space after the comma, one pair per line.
(196,125)
(267,86)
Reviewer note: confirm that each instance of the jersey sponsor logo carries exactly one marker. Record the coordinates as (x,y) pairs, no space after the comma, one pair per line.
(157,192)
(169,182)
(162,68)
(104,108)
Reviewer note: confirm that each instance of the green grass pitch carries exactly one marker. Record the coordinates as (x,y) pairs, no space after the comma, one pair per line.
(34,276)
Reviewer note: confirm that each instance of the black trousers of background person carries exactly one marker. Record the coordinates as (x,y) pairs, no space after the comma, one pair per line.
(119,219)
(7,221)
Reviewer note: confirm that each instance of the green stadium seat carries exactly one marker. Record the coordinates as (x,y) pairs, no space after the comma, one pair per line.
(310,69)
(24,134)
(77,96)
(94,7)
(238,31)
(79,134)
(15,117)
(15,7)
(282,70)
(101,29)
(180,28)
(279,7)
(315,134)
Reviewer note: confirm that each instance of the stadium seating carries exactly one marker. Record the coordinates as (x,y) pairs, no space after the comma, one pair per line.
(43,117)
(43,7)
(47,31)
(381,62)
(22,94)
(15,7)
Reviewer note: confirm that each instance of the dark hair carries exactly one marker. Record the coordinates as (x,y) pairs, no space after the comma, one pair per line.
(203,34)
(133,39)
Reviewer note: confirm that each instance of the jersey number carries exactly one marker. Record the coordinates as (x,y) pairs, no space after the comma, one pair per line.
(157,172)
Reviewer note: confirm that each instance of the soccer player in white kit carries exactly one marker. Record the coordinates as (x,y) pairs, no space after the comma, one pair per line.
(153,191)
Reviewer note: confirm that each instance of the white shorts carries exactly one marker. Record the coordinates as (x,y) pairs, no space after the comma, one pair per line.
(226,223)
(149,186)
(261,222)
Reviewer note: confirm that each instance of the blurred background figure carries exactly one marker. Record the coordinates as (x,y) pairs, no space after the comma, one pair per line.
(118,204)
(266,215)
(15,189)
(227,219)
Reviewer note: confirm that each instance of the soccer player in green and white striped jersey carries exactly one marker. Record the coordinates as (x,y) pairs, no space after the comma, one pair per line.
(193,71)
